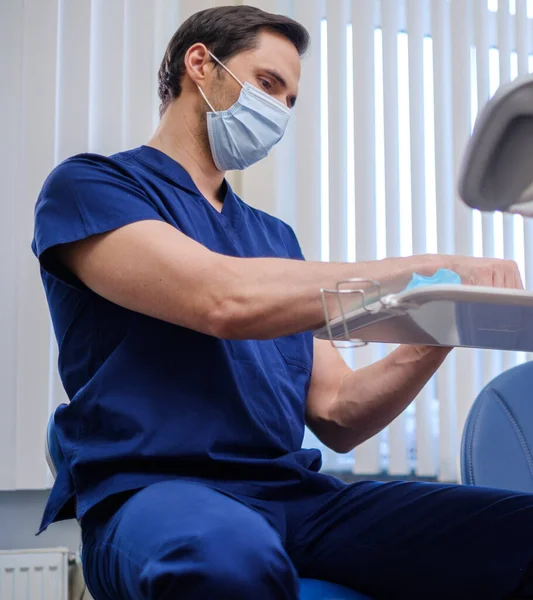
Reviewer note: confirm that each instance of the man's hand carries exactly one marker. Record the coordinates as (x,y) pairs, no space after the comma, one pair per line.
(491,272)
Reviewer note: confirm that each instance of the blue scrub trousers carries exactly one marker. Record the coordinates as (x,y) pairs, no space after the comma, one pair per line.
(180,539)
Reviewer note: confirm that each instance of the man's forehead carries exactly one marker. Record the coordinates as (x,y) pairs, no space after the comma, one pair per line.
(287,75)
(280,53)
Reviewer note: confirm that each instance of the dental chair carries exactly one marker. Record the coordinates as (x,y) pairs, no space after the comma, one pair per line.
(497,443)
(310,589)
(497,175)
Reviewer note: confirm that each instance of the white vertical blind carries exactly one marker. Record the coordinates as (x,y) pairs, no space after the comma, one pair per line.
(466,384)
(39,64)
(387,99)
(11,28)
(33,139)
(365,19)
(106,76)
(308,136)
(426,464)
(442,67)
(335,65)
(338,16)
(73,79)
(390,24)
(167,20)
(139,43)
(188,7)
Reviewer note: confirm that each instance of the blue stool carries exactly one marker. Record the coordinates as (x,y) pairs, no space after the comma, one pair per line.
(497,439)
(311,589)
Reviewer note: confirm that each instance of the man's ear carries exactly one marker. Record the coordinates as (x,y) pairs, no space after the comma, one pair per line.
(198,63)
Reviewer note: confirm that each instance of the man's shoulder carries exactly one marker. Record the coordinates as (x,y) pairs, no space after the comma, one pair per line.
(91,165)
(88,159)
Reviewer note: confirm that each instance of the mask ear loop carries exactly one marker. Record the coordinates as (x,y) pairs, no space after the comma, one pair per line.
(224,67)
(205,98)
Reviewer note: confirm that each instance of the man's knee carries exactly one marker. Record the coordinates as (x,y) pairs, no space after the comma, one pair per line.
(249,564)
(225,562)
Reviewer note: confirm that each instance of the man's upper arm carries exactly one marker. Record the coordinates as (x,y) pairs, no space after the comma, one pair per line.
(151,268)
(94,224)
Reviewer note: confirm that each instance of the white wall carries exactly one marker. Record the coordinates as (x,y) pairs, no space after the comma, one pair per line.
(20,516)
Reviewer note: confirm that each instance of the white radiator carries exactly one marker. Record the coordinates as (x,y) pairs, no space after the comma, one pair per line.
(34,574)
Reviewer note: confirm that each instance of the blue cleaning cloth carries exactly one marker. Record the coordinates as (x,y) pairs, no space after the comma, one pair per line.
(440,277)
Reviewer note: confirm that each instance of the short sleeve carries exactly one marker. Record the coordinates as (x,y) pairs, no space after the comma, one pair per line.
(85,196)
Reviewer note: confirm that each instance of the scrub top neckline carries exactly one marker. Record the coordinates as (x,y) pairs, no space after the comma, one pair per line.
(162,162)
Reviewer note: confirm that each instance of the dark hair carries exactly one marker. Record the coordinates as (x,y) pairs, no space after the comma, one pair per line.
(226,31)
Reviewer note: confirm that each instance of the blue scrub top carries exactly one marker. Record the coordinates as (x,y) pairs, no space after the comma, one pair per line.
(152,401)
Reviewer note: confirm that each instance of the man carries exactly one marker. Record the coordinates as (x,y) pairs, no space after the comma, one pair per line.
(183,318)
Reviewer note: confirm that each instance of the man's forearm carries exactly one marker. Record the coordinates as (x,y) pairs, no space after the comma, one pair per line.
(266,298)
(370,398)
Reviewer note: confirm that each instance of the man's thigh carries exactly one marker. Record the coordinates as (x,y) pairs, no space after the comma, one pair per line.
(179,539)
(415,540)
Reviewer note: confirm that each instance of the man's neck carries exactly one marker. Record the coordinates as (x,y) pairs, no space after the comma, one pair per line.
(180,136)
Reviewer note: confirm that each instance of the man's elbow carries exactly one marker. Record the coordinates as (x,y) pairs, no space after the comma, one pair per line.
(341,446)
(228,304)
(230,319)
(334,436)
(220,321)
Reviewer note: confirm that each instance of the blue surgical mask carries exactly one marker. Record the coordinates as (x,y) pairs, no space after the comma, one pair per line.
(246,132)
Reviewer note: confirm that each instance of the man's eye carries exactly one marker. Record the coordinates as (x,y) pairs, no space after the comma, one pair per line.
(266,84)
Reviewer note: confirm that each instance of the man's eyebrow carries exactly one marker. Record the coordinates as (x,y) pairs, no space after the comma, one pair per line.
(275,75)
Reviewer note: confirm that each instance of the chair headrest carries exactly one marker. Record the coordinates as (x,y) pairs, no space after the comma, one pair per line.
(496,171)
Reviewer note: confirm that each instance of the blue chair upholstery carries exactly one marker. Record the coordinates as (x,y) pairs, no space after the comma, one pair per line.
(311,589)
(497,439)
(54,454)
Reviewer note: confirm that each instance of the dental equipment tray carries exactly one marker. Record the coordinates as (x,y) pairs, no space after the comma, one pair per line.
(437,315)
